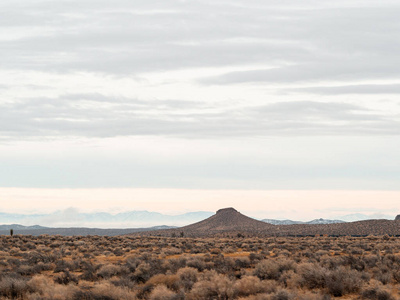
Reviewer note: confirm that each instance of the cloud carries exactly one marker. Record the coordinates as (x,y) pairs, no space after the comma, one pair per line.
(266,43)
(345,69)
(133,37)
(371,89)
(96,115)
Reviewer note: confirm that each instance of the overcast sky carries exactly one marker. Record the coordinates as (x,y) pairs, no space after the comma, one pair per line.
(200,95)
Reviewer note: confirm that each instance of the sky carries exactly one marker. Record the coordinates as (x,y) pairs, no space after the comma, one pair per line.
(203,102)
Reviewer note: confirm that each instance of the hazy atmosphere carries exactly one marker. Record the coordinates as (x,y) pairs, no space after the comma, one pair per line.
(281,109)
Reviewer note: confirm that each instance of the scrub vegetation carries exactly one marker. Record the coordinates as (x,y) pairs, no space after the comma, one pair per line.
(130,267)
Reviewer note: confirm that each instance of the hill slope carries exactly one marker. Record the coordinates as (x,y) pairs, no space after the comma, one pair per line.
(227,220)
(359,228)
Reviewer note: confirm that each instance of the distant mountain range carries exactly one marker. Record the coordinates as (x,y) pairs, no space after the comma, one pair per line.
(71,217)
(22,227)
(364,217)
(290,222)
(38,230)
(226,221)
(132,219)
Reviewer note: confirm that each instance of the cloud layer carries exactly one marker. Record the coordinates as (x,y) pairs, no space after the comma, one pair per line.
(94,115)
(254,94)
(84,68)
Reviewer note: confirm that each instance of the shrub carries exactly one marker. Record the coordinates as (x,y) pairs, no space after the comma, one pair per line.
(187,277)
(267,269)
(46,288)
(161,292)
(313,296)
(62,265)
(355,263)
(255,257)
(371,260)
(123,282)
(312,275)
(142,272)
(168,280)
(248,285)
(376,293)
(242,262)
(343,281)
(109,270)
(174,264)
(282,295)
(213,286)
(13,288)
(290,279)
(88,272)
(196,262)
(383,276)
(396,275)
(66,278)
(104,291)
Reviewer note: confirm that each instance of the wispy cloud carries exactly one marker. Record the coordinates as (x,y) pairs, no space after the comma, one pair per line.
(361,89)
(95,115)
(130,37)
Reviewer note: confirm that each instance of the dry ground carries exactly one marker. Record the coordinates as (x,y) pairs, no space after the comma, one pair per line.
(126,267)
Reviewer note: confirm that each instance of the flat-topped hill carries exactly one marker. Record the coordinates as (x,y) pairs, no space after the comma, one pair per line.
(227,219)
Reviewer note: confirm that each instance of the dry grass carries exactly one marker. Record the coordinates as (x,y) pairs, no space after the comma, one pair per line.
(128,267)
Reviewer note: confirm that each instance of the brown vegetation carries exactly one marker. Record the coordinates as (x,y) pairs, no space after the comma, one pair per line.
(127,267)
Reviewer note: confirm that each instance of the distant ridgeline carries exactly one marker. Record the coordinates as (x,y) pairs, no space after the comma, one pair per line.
(230,223)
